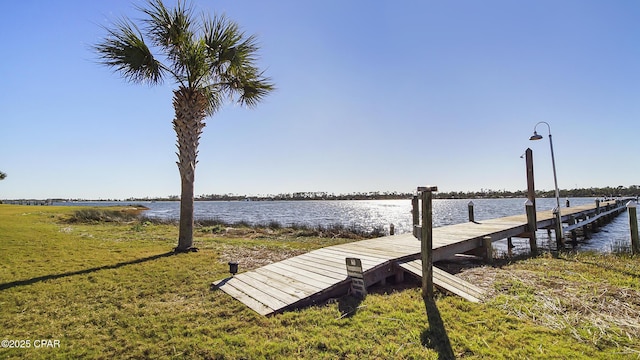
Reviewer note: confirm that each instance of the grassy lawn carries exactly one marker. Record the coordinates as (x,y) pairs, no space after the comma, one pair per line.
(115,290)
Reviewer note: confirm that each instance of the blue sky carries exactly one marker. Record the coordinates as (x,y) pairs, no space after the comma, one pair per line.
(372,96)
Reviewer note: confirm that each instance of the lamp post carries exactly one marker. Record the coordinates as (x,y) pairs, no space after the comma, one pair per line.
(556,211)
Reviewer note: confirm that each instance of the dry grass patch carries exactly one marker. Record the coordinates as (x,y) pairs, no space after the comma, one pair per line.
(253,257)
(584,300)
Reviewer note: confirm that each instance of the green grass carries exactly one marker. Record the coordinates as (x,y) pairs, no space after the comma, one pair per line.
(115,290)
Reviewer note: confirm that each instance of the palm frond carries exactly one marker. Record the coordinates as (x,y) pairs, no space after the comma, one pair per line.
(194,61)
(171,30)
(255,89)
(231,57)
(221,36)
(125,51)
(215,99)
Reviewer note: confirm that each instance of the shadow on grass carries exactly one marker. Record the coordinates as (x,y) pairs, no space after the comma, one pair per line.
(82,272)
(348,305)
(435,337)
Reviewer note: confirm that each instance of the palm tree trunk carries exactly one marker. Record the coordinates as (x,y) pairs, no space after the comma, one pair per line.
(190,111)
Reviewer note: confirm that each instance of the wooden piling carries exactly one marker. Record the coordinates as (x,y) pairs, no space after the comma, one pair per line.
(426,244)
(470,210)
(633,227)
(487,249)
(574,235)
(585,229)
(532,225)
(415,212)
(558,229)
(531,188)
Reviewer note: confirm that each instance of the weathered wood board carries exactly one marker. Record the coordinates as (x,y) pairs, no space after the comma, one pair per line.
(446,281)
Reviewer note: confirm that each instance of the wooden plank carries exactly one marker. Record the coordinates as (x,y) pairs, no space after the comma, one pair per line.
(328,281)
(330,255)
(446,281)
(367,264)
(300,282)
(256,294)
(384,254)
(286,271)
(350,253)
(252,280)
(373,254)
(332,261)
(400,247)
(354,251)
(457,286)
(250,302)
(330,272)
(397,247)
(284,284)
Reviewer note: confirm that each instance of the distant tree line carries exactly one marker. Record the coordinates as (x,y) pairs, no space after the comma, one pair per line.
(309,195)
(620,191)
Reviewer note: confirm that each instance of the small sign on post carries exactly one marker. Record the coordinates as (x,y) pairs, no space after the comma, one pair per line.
(354,271)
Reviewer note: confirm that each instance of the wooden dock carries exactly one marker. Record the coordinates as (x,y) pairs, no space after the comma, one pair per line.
(321,274)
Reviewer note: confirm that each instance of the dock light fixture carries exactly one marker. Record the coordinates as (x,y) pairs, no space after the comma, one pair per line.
(233,267)
(535,136)
(556,211)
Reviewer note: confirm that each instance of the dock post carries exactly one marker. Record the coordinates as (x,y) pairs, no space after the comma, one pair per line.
(392,229)
(574,235)
(531,187)
(633,226)
(471,215)
(426,242)
(415,212)
(585,230)
(531,221)
(597,206)
(558,229)
(487,249)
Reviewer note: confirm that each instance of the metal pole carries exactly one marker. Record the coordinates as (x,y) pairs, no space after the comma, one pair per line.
(633,227)
(559,235)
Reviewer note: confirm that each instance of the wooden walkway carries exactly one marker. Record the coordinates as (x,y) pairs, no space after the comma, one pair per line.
(321,274)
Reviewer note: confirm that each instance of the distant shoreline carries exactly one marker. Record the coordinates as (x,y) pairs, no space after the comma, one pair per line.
(606,192)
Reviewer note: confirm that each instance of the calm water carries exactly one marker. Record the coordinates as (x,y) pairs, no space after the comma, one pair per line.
(369,214)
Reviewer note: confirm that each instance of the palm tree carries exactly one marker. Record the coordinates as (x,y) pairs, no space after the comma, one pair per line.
(210,60)
(2,175)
